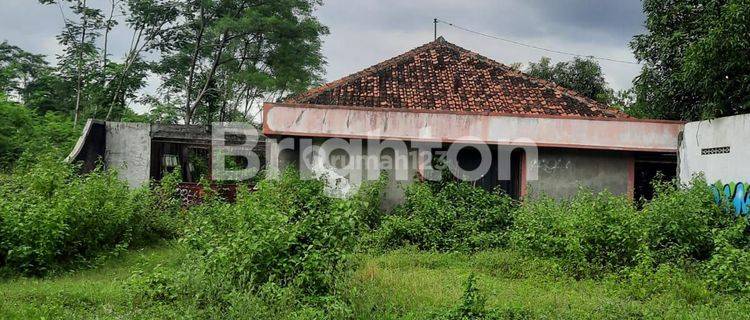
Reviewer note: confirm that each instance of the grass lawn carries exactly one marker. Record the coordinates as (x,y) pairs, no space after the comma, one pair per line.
(401,284)
(412,285)
(95,293)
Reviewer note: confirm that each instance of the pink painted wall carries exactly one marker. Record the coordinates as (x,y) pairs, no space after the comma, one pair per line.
(353,122)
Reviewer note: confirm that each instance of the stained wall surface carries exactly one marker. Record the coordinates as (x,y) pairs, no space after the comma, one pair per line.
(128,151)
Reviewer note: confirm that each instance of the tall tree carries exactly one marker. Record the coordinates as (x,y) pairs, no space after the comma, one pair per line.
(695,59)
(27,78)
(78,38)
(153,26)
(230,53)
(584,76)
(18,68)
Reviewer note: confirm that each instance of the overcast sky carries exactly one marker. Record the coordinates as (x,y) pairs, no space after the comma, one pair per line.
(364,33)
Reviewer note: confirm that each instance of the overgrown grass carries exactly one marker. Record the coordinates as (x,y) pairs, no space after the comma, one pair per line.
(416,285)
(403,284)
(100,292)
(289,251)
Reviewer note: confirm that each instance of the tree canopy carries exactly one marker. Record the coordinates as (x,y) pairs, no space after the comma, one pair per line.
(583,75)
(217,59)
(695,57)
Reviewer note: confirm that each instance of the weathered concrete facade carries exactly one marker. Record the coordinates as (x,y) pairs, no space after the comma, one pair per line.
(557,172)
(344,175)
(562,172)
(501,129)
(140,152)
(128,151)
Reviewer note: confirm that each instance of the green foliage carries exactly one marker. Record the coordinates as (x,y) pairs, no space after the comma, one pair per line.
(451,216)
(472,303)
(581,75)
(287,234)
(25,135)
(647,281)
(677,224)
(728,270)
(367,201)
(19,69)
(52,218)
(694,56)
(590,232)
(473,307)
(15,128)
(157,211)
(251,50)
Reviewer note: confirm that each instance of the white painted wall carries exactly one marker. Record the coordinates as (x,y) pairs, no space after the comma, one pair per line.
(129,151)
(722,132)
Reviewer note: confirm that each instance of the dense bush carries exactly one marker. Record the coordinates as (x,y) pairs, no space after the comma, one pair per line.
(590,232)
(450,216)
(728,270)
(286,233)
(51,217)
(157,211)
(678,223)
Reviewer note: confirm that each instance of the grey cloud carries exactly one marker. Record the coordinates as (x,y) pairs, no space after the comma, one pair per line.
(366,32)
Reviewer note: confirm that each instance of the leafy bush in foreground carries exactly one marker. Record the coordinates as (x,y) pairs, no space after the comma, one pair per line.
(50,217)
(473,307)
(287,233)
(728,270)
(591,232)
(452,216)
(678,223)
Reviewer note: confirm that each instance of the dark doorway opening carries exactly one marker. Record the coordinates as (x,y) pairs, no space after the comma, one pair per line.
(469,158)
(517,173)
(651,167)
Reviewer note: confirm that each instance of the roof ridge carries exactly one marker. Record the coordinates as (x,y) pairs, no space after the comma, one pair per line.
(440,41)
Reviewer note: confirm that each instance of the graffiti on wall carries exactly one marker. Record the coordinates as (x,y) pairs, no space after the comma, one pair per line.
(733,195)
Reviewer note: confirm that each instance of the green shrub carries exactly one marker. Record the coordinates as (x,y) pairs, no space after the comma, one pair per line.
(367,201)
(287,232)
(51,217)
(728,270)
(678,223)
(24,135)
(157,211)
(590,232)
(452,216)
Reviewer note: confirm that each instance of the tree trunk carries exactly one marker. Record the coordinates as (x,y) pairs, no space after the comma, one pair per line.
(80,62)
(193,62)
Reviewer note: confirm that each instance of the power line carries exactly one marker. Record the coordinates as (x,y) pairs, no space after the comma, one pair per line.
(529,45)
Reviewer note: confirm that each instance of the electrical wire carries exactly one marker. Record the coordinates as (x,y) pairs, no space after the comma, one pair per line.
(532,46)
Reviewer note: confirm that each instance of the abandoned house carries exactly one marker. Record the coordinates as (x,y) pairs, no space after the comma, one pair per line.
(442,92)
(556,140)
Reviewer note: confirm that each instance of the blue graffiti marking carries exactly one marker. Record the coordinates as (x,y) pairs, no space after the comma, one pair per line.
(735,194)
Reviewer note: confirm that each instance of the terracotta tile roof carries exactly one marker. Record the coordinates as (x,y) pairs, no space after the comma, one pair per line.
(442,76)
